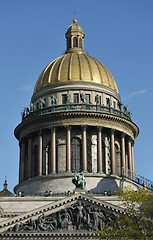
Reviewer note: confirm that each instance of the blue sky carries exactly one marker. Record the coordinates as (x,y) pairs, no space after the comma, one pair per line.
(119,33)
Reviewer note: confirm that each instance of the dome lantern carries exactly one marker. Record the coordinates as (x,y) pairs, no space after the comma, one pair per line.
(75,38)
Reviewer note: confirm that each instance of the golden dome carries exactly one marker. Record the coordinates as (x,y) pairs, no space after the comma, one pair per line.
(74,67)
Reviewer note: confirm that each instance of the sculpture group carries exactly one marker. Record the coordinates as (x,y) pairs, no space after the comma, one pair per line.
(76,217)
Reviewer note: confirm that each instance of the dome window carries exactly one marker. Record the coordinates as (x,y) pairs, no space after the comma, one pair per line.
(75,98)
(75,42)
(63,98)
(80,42)
(69,43)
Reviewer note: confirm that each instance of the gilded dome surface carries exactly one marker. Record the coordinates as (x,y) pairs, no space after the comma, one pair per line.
(75,65)
(72,67)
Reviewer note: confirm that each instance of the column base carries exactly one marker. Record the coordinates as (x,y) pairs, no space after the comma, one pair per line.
(68,171)
(84,171)
(100,171)
(53,172)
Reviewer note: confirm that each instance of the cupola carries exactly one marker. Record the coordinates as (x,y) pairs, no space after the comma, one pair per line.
(75,38)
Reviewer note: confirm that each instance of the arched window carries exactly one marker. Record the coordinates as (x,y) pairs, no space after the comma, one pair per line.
(75,42)
(80,42)
(35,162)
(76,155)
(69,43)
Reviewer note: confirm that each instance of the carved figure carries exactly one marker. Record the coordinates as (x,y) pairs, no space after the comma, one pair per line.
(82,97)
(76,217)
(79,181)
(125,109)
(97,99)
(129,113)
(68,98)
(31,107)
(25,112)
(110,102)
(65,219)
(79,215)
(42,103)
(53,99)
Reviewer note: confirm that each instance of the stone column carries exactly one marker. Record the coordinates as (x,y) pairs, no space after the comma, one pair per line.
(20,164)
(123,153)
(47,160)
(129,154)
(78,41)
(84,148)
(53,150)
(83,43)
(22,159)
(71,42)
(99,150)
(29,157)
(133,165)
(113,150)
(68,149)
(40,155)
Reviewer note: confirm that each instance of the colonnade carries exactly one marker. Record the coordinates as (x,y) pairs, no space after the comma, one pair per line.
(25,169)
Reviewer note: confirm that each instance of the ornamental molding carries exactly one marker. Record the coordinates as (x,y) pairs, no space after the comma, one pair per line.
(54,120)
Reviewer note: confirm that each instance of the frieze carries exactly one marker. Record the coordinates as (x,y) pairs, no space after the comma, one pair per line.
(77,217)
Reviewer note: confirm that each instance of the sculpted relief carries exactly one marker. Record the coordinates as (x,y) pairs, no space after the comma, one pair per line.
(76,217)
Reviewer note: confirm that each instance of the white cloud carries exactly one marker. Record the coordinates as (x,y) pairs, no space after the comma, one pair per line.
(26,88)
(136,93)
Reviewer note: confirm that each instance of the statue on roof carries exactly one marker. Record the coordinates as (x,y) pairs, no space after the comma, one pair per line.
(79,181)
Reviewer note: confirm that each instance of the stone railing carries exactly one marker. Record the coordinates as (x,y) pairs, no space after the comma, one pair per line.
(75,107)
(142,181)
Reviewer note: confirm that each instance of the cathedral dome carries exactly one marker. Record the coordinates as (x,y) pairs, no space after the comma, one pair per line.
(76,67)
(76,123)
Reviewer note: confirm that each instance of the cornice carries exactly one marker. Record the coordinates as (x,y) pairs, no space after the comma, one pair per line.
(55,119)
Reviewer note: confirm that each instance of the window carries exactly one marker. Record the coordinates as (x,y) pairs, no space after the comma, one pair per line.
(107,102)
(75,42)
(69,43)
(87,98)
(80,43)
(114,104)
(76,155)
(75,98)
(64,99)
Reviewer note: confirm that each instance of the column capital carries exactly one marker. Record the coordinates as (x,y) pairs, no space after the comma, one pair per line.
(99,128)
(123,134)
(129,138)
(113,130)
(40,132)
(52,129)
(84,127)
(68,127)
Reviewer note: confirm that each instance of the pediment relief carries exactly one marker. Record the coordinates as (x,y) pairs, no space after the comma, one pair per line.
(73,214)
